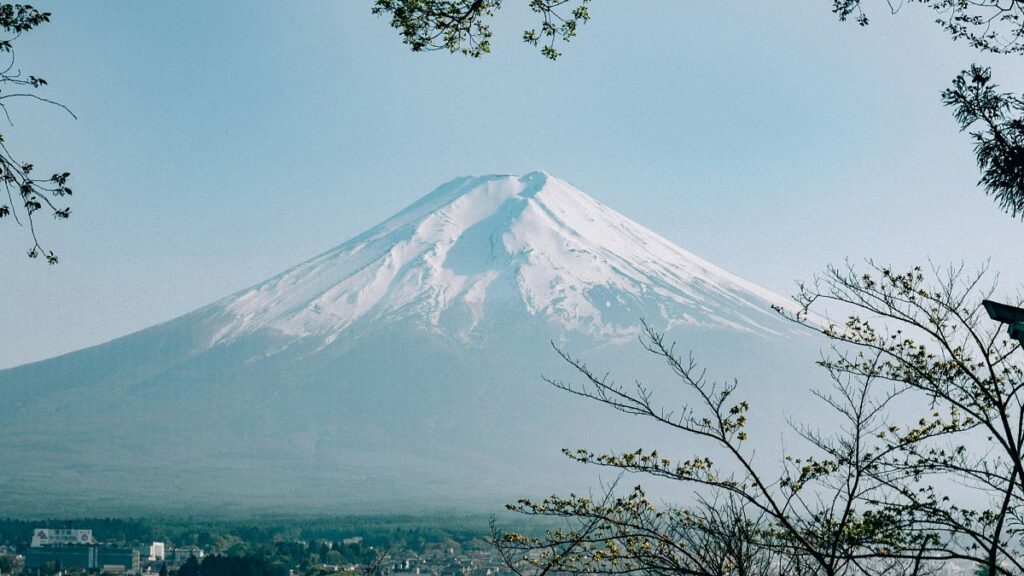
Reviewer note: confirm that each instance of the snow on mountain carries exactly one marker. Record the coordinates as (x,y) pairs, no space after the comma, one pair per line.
(400,370)
(445,260)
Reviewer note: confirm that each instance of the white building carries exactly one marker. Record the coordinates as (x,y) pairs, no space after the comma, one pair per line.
(156,552)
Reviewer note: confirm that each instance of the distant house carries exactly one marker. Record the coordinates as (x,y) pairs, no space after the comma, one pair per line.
(180,555)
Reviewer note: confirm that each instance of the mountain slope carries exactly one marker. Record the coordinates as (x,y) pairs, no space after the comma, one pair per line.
(473,241)
(402,366)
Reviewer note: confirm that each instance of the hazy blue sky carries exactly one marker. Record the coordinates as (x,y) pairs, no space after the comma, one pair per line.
(221,142)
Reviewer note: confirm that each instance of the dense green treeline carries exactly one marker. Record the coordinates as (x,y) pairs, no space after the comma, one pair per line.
(270,537)
(227,566)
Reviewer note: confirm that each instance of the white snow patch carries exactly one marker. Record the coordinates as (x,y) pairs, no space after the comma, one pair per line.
(571,260)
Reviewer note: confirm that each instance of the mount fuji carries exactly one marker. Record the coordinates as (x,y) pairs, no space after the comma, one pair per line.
(401,369)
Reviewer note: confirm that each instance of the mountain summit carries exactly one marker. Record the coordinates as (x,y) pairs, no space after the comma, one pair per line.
(398,371)
(481,247)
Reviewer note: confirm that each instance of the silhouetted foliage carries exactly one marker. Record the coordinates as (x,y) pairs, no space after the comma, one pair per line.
(190,567)
(925,464)
(462,25)
(996,119)
(989,25)
(27,195)
(999,144)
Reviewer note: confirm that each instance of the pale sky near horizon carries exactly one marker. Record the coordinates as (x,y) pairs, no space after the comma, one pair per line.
(219,143)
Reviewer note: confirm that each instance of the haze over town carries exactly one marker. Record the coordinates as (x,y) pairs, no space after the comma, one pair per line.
(481,288)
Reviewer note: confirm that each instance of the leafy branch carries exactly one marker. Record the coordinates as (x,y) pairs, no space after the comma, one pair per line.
(27,196)
(461,26)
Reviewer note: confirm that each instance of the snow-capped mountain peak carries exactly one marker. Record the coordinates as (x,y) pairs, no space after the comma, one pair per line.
(397,370)
(479,248)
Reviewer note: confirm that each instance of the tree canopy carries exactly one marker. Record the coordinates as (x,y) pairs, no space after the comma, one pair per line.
(924,465)
(462,25)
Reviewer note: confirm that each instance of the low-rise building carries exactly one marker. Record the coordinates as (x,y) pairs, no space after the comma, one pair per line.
(107,560)
(180,555)
(156,552)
